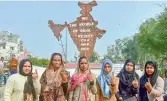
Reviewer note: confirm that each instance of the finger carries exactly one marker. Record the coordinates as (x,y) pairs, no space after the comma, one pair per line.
(146,83)
(113,74)
(149,80)
(61,73)
(33,75)
(89,75)
(111,78)
(135,78)
(133,81)
(36,71)
(136,81)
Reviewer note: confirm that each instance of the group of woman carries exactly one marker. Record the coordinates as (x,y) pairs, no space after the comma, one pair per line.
(56,84)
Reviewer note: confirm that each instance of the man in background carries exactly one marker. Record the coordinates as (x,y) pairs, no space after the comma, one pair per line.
(2,63)
(13,63)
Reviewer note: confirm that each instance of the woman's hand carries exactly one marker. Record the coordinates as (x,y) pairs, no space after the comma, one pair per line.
(113,80)
(148,86)
(35,74)
(90,77)
(120,99)
(135,84)
(64,76)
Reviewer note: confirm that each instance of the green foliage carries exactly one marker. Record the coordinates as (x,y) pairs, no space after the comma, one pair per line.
(150,43)
(152,35)
(39,62)
(94,57)
(122,50)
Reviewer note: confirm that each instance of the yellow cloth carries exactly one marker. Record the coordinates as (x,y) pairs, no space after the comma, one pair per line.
(13,64)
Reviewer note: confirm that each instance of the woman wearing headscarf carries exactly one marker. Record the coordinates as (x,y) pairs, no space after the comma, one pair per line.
(128,82)
(23,86)
(151,85)
(107,83)
(82,85)
(54,80)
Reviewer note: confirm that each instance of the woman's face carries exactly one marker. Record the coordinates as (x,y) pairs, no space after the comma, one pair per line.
(83,64)
(27,67)
(129,67)
(149,69)
(107,69)
(56,62)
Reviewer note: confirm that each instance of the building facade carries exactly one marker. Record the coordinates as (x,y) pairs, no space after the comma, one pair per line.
(10,44)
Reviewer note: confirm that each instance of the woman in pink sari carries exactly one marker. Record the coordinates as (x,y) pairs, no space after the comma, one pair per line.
(82,85)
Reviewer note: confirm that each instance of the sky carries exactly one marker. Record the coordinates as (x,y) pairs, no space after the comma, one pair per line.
(29,20)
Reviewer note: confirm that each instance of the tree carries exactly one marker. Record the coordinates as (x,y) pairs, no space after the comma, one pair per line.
(39,62)
(152,36)
(148,44)
(129,49)
(94,57)
(110,53)
(114,51)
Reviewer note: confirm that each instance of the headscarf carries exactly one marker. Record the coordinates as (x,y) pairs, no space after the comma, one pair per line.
(51,81)
(28,86)
(52,75)
(144,79)
(77,70)
(128,77)
(52,57)
(104,79)
(77,79)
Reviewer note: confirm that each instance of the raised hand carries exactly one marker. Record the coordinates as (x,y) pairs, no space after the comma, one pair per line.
(135,84)
(64,76)
(148,86)
(120,99)
(113,80)
(90,77)
(35,74)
